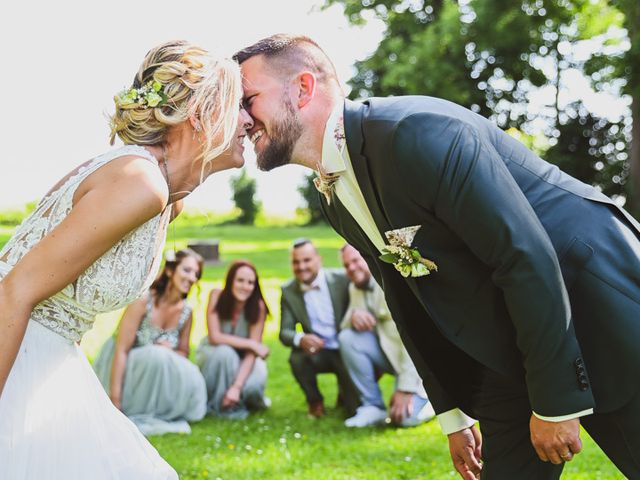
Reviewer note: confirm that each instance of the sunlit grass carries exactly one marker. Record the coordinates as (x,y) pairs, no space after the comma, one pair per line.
(283,443)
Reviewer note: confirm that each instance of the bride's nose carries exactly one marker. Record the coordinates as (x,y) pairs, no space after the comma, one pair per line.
(245,119)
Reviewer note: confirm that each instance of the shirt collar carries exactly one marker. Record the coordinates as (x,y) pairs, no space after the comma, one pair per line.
(318,282)
(369,286)
(333,142)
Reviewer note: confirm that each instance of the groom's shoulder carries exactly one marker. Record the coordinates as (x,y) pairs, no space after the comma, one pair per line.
(415,107)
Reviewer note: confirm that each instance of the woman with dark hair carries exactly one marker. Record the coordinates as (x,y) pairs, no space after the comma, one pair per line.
(232,355)
(145,369)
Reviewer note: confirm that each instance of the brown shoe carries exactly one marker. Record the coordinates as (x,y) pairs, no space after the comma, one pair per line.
(316,409)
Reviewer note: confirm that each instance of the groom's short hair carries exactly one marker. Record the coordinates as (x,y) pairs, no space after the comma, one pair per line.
(288,53)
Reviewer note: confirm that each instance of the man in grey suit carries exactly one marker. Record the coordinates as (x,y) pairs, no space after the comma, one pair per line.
(316,299)
(515,287)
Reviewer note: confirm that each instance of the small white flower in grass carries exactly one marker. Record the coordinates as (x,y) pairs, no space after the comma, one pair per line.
(248,447)
(407,459)
(259,452)
(297,435)
(283,440)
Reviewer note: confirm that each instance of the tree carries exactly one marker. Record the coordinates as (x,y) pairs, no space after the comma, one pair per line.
(309,194)
(600,144)
(244,190)
(626,66)
(491,56)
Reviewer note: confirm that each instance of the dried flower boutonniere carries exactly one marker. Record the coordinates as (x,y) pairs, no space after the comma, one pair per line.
(405,258)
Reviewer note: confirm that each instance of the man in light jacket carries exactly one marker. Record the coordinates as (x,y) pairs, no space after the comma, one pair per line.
(370,345)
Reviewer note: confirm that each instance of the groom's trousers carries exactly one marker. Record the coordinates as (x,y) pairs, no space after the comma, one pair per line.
(503,410)
(605,307)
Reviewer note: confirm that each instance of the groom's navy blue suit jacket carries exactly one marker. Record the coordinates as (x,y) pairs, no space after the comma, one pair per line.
(538,273)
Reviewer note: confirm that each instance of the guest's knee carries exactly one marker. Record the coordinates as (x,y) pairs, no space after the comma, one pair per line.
(351,342)
(347,337)
(299,361)
(223,354)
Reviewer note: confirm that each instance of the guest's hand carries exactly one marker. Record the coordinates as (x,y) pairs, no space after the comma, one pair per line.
(164,343)
(261,350)
(231,397)
(311,343)
(401,406)
(555,442)
(465,447)
(362,320)
(117,402)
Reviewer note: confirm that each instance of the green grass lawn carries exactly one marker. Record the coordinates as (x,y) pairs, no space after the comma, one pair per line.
(282,442)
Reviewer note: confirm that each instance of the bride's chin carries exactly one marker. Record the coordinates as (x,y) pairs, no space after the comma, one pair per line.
(239,161)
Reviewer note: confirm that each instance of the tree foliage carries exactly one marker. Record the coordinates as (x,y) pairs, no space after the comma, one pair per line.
(244,190)
(493,56)
(309,194)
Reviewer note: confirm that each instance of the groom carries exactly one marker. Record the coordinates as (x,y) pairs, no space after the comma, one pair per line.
(529,318)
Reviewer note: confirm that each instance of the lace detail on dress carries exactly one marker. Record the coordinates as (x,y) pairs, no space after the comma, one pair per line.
(117,278)
(148,333)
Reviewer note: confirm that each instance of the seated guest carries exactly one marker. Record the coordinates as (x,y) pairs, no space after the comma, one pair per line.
(370,344)
(145,370)
(232,355)
(316,300)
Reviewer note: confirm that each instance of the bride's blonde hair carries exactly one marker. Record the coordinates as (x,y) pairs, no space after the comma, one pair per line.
(194,86)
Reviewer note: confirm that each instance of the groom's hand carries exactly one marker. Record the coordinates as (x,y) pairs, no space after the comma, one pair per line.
(465,447)
(555,442)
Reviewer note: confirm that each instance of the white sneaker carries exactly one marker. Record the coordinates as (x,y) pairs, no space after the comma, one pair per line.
(366,416)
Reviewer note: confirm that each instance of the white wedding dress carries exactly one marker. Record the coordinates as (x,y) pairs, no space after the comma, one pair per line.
(56,421)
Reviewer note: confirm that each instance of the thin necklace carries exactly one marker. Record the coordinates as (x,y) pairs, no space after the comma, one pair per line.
(166,169)
(166,173)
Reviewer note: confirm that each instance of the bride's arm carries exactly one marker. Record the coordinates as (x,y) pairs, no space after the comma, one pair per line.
(116,199)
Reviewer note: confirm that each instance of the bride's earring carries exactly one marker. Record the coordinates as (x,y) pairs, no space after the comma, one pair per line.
(196,129)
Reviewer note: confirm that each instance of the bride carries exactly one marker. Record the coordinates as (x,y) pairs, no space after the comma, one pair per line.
(94,244)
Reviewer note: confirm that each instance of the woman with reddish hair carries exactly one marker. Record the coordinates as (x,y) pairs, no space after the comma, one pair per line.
(232,355)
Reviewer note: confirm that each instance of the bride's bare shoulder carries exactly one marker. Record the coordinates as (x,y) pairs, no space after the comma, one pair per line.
(130,178)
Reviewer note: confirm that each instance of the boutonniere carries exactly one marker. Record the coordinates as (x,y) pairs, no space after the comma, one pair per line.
(325,182)
(406,259)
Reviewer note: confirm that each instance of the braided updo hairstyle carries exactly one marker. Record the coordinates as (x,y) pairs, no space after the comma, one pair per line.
(196,86)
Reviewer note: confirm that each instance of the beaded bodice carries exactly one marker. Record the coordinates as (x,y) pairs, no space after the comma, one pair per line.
(148,333)
(117,278)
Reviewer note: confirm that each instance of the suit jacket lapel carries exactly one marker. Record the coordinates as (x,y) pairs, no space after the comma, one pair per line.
(297,302)
(335,299)
(343,223)
(353,118)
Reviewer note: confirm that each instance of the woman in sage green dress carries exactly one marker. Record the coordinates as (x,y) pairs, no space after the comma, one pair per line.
(232,355)
(145,369)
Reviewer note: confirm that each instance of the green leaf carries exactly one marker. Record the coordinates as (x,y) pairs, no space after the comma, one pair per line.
(389,258)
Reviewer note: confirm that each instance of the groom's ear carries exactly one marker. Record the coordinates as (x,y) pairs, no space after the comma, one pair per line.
(306,88)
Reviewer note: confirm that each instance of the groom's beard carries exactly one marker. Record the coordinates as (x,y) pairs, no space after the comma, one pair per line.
(284,134)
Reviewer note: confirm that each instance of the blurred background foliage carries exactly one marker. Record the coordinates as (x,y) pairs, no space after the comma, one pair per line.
(494,56)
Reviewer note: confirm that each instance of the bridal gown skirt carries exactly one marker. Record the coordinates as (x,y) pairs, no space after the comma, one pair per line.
(57,423)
